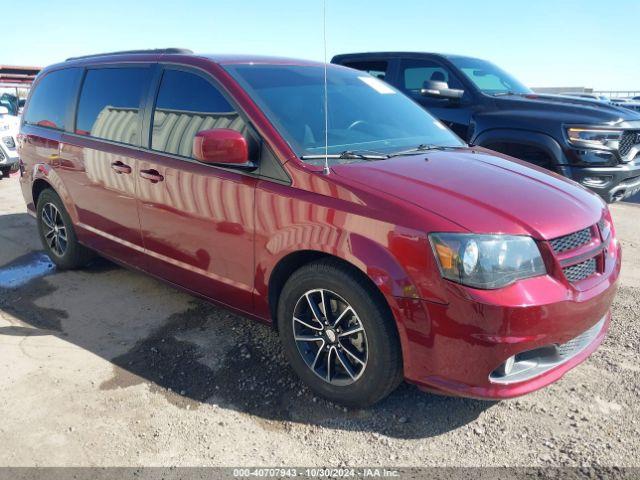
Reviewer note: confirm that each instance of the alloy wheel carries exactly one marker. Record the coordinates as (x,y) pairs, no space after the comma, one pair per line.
(54,229)
(330,337)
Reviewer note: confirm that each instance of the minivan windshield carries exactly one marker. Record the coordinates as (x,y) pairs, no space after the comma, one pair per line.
(366,115)
(489,78)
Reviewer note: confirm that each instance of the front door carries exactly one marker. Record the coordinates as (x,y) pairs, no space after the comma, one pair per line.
(455,114)
(197,220)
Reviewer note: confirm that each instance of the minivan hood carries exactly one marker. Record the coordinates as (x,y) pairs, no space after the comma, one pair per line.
(482,191)
(568,109)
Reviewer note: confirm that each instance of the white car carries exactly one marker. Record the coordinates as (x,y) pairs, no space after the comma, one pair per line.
(9,160)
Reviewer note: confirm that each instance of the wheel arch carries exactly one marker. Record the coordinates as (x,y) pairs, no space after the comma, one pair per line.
(45,177)
(293,261)
(39,185)
(541,141)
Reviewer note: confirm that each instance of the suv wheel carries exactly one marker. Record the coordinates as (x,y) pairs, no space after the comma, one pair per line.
(57,234)
(338,334)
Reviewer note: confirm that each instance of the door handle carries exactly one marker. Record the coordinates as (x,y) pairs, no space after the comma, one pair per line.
(152,175)
(120,167)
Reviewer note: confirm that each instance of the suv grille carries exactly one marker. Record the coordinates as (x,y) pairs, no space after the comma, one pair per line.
(571,241)
(628,140)
(578,272)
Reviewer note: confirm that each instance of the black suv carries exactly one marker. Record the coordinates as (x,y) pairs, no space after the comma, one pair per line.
(595,144)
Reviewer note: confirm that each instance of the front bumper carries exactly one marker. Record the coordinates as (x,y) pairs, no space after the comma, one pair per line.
(622,180)
(455,348)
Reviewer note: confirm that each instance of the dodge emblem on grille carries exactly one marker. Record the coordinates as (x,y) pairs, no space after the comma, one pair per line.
(637,137)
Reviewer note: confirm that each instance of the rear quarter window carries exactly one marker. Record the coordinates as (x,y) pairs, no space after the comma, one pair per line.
(51,99)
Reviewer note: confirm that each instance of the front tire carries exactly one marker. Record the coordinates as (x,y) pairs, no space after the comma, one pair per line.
(339,335)
(57,234)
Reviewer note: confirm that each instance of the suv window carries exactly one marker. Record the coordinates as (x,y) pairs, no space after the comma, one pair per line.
(416,72)
(187,104)
(109,104)
(377,68)
(51,99)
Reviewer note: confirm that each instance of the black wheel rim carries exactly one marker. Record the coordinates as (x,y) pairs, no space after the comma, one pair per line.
(54,229)
(330,337)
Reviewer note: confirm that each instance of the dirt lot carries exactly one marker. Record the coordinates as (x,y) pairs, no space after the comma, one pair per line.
(109,367)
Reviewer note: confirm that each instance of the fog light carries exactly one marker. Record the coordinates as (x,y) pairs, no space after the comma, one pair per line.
(508,365)
(506,368)
(596,181)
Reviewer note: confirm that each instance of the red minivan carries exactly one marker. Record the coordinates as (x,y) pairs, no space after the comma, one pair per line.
(378,244)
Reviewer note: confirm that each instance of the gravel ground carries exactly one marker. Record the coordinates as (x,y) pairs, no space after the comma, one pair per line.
(106,367)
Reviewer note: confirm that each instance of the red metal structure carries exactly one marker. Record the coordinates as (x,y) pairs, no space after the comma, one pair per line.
(17,76)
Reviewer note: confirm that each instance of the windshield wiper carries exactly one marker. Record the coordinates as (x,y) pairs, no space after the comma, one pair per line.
(348,155)
(424,147)
(501,94)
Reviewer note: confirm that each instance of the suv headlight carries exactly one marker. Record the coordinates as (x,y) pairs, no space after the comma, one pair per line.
(600,138)
(486,261)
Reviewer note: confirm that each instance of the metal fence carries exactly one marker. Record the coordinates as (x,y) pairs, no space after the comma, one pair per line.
(618,93)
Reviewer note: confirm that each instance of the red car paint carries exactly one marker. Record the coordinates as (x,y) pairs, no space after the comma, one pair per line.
(221,234)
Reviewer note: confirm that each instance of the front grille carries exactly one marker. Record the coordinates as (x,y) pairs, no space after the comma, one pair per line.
(571,241)
(1,155)
(9,142)
(577,344)
(533,363)
(578,272)
(627,142)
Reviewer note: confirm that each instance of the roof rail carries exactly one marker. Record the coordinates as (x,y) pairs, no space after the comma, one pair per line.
(152,51)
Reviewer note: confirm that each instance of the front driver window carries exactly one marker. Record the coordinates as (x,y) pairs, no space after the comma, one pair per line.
(187,104)
(416,72)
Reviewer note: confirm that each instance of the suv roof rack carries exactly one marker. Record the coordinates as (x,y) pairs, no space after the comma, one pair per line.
(151,51)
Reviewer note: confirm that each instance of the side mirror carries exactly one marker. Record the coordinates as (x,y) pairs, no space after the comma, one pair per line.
(437,89)
(224,147)
(4,111)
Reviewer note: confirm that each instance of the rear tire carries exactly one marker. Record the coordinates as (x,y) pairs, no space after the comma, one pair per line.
(57,234)
(354,369)
(6,171)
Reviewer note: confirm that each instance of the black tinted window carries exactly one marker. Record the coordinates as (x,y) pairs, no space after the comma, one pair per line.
(186,105)
(109,103)
(52,97)
(377,68)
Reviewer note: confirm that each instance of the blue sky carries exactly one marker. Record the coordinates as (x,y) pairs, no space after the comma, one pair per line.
(543,43)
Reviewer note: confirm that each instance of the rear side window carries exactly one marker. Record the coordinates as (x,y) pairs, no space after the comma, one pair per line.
(376,68)
(187,104)
(51,99)
(109,105)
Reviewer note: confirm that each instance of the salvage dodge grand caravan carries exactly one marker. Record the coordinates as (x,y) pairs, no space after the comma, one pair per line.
(394,251)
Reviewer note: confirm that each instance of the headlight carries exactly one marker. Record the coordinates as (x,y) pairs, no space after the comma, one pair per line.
(594,137)
(486,261)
